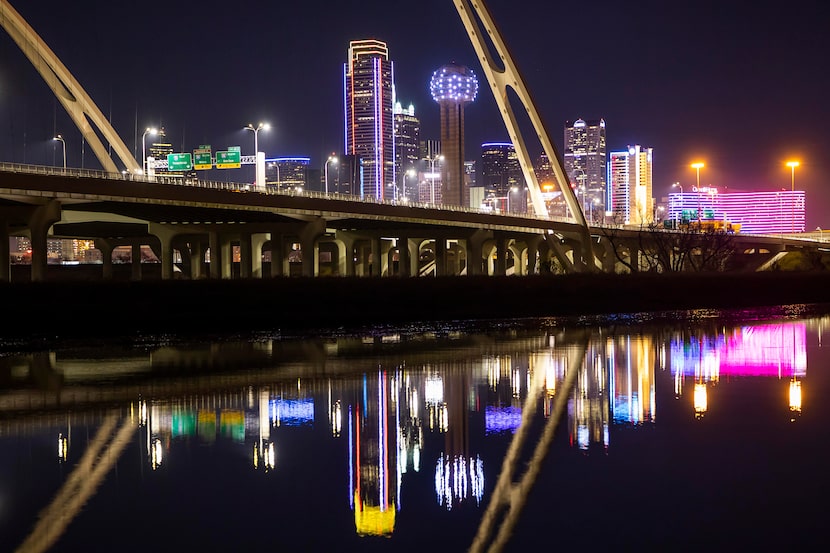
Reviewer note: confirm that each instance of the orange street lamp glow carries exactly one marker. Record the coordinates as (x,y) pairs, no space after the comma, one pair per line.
(697,166)
(792,165)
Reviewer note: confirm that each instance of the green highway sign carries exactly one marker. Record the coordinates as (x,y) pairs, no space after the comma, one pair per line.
(179,162)
(203,159)
(230,159)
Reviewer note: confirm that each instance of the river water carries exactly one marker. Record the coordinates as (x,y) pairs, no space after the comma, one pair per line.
(699,430)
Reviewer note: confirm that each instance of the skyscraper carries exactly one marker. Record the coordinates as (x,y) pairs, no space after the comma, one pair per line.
(500,174)
(453,86)
(585,163)
(368,85)
(407,141)
(631,186)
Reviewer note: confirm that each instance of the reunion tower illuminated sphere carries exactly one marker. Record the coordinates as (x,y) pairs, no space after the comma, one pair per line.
(453,86)
(453,83)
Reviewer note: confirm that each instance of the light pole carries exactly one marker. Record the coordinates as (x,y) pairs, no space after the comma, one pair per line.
(697,166)
(583,187)
(331,159)
(679,216)
(432,161)
(259,127)
(792,165)
(510,191)
(63,143)
(152,132)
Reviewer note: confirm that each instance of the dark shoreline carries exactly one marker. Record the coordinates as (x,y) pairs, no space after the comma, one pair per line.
(123,309)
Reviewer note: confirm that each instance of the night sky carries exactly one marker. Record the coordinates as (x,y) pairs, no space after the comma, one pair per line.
(740,85)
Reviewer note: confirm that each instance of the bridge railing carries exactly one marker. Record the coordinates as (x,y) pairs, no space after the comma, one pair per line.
(180,180)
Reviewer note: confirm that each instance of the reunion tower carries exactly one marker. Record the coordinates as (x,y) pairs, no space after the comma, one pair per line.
(453,86)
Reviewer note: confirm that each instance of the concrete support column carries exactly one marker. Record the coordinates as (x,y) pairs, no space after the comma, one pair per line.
(165,238)
(277,254)
(105,247)
(376,268)
(440,256)
(197,259)
(226,263)
(475,253)
(385,257)
(533,254)
(246,267)
(215,255)
(257,242)
(5,253)
(500,267)
(308,242)
(135,261)
(404,259)
(414,247)
(40,222)
(345,254)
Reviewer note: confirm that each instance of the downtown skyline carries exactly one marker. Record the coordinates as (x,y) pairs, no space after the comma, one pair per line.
(737,88)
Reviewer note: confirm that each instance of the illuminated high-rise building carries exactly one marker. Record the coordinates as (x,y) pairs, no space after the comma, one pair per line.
(585,163)
(368,86)
(407,144)
(287,173)
(630,186)
(160,149)
(453,86)
(500,173)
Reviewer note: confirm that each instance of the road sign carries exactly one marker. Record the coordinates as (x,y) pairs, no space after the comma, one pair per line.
(228,160)
(203,160)
(179,162)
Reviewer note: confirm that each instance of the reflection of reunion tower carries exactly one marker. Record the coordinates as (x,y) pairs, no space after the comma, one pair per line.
(452,86)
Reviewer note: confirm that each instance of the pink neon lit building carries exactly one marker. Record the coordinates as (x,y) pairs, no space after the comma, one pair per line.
(770,212)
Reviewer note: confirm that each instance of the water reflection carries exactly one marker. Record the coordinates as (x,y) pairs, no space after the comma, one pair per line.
(428,408)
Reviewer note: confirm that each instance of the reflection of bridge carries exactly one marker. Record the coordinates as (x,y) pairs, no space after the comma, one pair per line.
(344,235)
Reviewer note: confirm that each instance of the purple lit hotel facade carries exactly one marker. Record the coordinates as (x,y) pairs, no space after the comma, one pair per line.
(768,212)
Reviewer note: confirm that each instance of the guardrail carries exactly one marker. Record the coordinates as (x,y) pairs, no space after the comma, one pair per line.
(249,188)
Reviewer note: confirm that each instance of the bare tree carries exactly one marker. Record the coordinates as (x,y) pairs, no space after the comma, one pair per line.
(671,251)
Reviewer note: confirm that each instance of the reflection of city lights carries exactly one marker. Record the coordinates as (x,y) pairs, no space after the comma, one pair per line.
(156,453)
(264,455)
(457,479)
(795,397)
(336,419)
(142,413)
(700,399)
(63,446)
(434,390)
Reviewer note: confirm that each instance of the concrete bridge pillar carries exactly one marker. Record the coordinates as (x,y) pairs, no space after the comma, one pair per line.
(105,247)
(5,253)
(257,242)
(135,261)
(246,266)
(225,258)
(40,222)
(475,253)
(404,257)
(165,237)
(375,263)
(500,268)
(309,234)
(197,259)
(277,254)
(440,256)
(533,254)
(215,270)
(345,262)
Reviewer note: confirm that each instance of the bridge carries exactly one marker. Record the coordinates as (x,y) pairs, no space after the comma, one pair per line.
(324,234)
(193,229)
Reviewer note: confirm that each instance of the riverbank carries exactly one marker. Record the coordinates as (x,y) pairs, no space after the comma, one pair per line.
(100,309)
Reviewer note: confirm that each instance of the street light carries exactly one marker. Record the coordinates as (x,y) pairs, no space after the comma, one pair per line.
(63,143)
(679,216)
(432,161)
(512,189)
(259,127)
(792,165)
(152,132)
(331,159)
(697,166)
(583,187)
